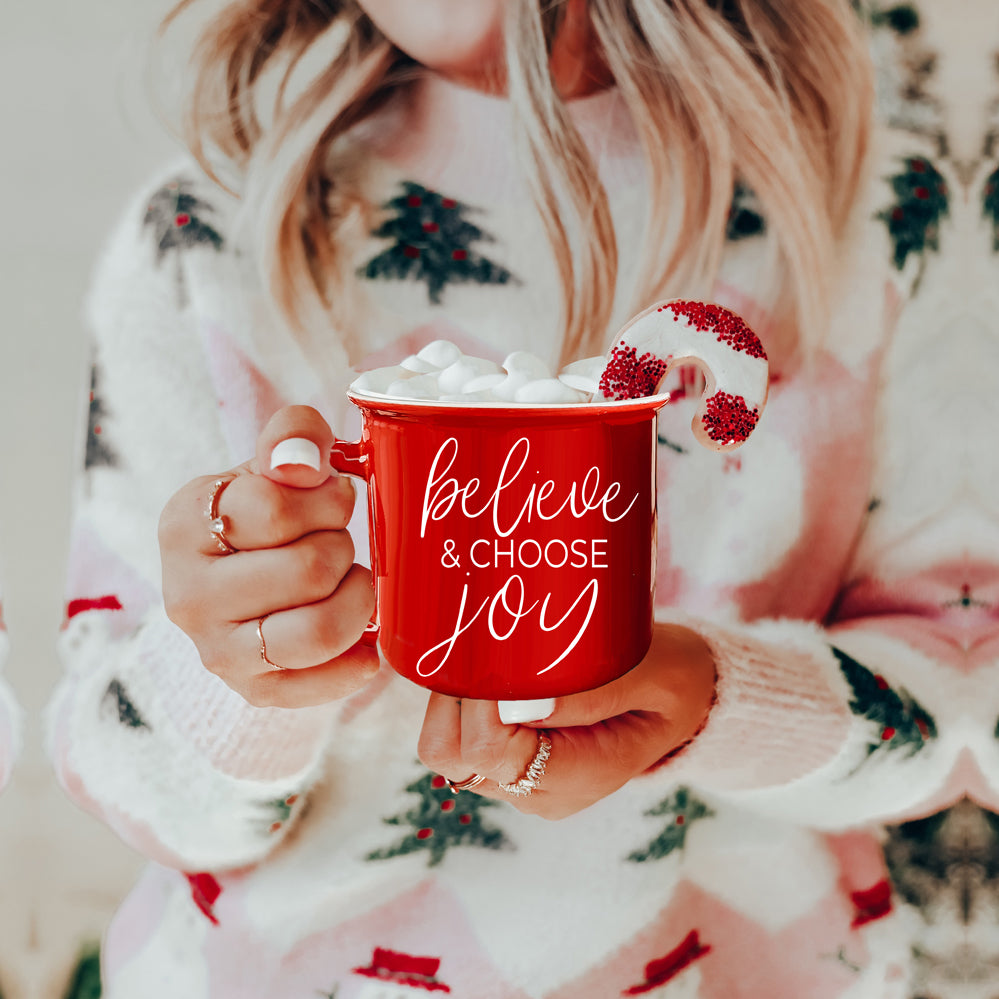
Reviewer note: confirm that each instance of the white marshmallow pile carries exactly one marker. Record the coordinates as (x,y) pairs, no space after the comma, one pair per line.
(440,371)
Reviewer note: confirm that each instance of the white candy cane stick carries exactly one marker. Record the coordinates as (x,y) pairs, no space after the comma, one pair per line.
(718,341)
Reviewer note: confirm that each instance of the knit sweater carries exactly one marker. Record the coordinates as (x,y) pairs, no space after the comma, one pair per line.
(827,565)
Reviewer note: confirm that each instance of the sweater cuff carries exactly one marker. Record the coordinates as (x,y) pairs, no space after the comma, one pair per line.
(781,708)
(235,737)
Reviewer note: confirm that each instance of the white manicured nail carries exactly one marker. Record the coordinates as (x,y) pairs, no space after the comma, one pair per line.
(518,712)
(295,451)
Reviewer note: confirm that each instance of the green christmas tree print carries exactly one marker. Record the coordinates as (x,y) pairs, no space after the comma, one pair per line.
(990,206)
(85,978)
(98,450)
(275,812)
(432,242)
(441,820)
(913,219)
(683,810)
(901,723)
(743,218)
(902,18)
(116,699)
(180,220)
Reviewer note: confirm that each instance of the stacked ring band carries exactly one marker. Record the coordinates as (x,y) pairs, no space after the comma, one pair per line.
(263,644)
(535,769)
(464,785)
(216,524)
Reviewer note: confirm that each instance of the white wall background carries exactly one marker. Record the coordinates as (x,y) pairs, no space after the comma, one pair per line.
(76,134)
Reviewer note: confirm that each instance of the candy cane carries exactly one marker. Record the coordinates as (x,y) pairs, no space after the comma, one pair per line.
(718,341)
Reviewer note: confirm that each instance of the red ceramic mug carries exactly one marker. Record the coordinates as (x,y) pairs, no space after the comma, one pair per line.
(513,547)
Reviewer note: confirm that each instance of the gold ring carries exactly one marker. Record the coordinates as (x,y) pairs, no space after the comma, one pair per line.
(216,524)
(464,785)
(263,644)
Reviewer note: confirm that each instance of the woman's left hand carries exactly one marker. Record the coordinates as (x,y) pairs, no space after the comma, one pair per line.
(600,738)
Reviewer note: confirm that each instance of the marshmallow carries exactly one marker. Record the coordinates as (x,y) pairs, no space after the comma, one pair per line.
(457,375)
(548,390)
(418,365)
(584,375)
(415,387)
(379,379)
(522,362)
(440,371)
(440,353)
(506,390)
(484,383)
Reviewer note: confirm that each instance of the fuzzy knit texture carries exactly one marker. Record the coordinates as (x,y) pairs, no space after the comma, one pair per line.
(843,567)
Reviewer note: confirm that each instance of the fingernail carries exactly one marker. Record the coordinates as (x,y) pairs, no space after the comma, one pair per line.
(295,451)
(519,712)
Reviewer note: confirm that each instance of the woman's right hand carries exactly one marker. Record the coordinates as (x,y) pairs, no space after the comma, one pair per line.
(293,567)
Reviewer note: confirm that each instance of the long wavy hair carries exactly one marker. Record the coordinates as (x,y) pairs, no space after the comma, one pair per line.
(773,94)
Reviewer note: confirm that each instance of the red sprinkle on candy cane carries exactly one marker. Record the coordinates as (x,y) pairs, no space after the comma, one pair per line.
(628,376)
(728,419)
(726,326)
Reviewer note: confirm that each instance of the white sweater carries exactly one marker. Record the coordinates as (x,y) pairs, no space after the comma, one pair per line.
(842,567)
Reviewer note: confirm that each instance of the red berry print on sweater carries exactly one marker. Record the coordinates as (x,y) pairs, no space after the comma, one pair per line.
(871,904)
(404,969)
(666,968)
(80,605)
(205,890)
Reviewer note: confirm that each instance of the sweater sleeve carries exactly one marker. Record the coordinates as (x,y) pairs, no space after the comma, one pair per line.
(864,705)
(829,727)
(140,732)
(875,711)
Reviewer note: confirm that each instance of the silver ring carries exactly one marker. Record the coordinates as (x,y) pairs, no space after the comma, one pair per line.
(219,525)
(535,769)
(464,785)
(263,644)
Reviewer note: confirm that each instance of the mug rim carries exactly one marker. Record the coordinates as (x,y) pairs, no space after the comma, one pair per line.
(380,399)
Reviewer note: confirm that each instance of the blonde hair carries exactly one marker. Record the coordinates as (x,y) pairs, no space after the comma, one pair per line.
(774,95)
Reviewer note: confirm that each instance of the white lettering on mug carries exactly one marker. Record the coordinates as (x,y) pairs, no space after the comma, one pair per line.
(515,612)
(507,607)
(592,585)
(448,643)
(510,600)
(587,553)
(442,492)
(593,549)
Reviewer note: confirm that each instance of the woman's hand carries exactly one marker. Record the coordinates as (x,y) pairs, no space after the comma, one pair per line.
(293,569)
(600,738)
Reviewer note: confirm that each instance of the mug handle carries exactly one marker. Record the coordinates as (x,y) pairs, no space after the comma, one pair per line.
(351,458)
